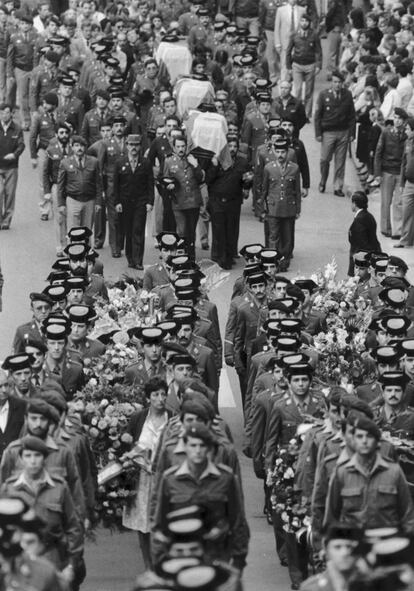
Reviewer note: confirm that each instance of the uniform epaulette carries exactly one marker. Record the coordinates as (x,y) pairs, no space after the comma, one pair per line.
(330,457)
(171,470)
(12,478)
(224,468)
(57,478)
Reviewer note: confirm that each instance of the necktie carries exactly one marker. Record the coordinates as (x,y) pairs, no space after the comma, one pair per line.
(292,22)
(152,371)
(80,163)
(64,151)
(53,118)
(36,379)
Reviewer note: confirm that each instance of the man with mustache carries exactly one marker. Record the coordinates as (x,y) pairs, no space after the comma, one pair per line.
(394,415)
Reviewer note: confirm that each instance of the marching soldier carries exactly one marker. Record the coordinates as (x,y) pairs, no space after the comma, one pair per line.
(43,80)
(41,306)
(79,344)
(150,363)
(157,275)
(20,371)
(70,107)
(93,119)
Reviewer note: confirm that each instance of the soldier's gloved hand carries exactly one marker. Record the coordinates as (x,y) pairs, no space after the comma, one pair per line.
(34,162)
(47,196)
(170,187)
(304,193)
(118,207)
(68,573)
(149,207)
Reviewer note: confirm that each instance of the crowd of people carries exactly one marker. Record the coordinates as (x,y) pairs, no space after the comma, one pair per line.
(185,110)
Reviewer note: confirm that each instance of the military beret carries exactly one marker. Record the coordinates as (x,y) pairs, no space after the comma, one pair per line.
(54,398)
(52,56)
(32,443)
(395,282)
(272,363)
(194,408)
(78,139)
(277,305)
(41,407)
(338,74)
(291,304)
(40,297)
(394,378)
(200,432)
(306,16)
(366,424)
(23,16)
(18,362)
(402,113)
(103,94)
(295,292)
(394,261)
(352,403)
(57,293)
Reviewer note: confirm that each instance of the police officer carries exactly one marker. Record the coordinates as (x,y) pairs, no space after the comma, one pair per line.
(157,275)
(394,415)
(281,196)
(186,199)
(70,108)
(82,264)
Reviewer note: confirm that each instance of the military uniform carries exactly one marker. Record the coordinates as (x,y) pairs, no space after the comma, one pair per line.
(154,276)
(282,198)
(71,109)
(230,329)
(42,81)
(90,130)
(42,131)
(96,288)
(86,349)
(369,392)
(136,374)
(70,376)
(218,491)
(53,503)
(208,310)
(205,365)
(187,199)
(250,317)
(254,134)
(380,499)
(55,152)
(60,461)
(28,331)
(199,35)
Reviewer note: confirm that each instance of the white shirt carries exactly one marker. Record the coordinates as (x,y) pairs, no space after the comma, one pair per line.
(4,416)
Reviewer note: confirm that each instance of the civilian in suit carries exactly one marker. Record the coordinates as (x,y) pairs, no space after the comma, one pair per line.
(134,198)
(145,428)
(363,230)
(286,24)
(12,412)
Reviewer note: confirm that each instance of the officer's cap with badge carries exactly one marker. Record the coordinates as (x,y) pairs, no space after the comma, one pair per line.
(406,347)
(186,524)
(294,359)
(167,240)
(169,327)
(269,256)
(290,304)
(18,362)
(182,359)
(271,328)
(200,432)
(57,293)
(32,443)
(251,269)
(395,282)
(202,577)
(38,406)
(80,313)
(299,369)
(396,325)
(287,344)
(66,81)
(290,326)
(361,259)
(281,144)
(62,264)
(263,97)
(56,332)
(11,511)
(179,262)
(185,317)
(394,378)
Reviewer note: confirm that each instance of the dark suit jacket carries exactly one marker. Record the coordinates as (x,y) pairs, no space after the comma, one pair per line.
(363,233)
(15,422)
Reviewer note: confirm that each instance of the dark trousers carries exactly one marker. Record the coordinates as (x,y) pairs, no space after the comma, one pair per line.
(282,235)
(186,220)
(224,227)
(134,217)
(108,212)
(168,218)
(297,557)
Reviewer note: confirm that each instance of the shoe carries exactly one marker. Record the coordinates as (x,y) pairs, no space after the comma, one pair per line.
(131,265)
(295,586)
(116,254)
(205,246)
(321,188)
(395,236)
(139,267)
(225,266)
(399,245)
(5,227)
(283,562)
(339,193)
(98,245)
(44,217)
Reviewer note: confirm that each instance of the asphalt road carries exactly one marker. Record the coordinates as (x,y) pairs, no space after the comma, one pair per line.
(26,253)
